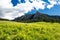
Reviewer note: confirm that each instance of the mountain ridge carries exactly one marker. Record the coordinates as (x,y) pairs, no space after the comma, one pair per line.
(37,17)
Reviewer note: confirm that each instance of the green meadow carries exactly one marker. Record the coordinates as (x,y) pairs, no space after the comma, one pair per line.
(29,31)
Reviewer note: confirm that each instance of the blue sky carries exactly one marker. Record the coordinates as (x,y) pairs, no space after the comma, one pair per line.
(16,8)
(53,11)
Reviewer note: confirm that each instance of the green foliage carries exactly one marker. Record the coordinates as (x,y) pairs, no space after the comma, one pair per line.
(29,31)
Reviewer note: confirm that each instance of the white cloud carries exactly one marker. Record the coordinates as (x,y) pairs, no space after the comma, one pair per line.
(5,4)
(39,4)
(11,13)
(50,6)
(52,3)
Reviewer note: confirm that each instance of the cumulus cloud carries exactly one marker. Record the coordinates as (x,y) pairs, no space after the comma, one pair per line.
(5,4)
(52,3)
(9,12)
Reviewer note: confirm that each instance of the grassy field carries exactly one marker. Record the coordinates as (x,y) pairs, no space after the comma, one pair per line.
(29,31)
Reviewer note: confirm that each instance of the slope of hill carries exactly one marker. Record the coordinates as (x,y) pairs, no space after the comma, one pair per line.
(4,19)
(29,31)
(38,17)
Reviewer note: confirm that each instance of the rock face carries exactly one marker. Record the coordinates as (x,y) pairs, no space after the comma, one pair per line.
(37,17)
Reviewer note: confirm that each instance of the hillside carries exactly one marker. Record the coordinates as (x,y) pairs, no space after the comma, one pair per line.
(37,17)
(4,19)
(29,31)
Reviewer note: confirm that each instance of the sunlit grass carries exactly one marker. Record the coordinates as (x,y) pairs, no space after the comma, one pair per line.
(29,31)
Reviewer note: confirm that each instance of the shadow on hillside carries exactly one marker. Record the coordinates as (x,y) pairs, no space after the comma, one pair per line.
(30,21)
(36,21)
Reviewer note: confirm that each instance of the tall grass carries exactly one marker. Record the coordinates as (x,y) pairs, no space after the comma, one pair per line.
(29,31)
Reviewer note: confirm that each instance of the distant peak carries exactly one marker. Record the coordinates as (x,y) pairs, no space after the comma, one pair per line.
(37,12)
